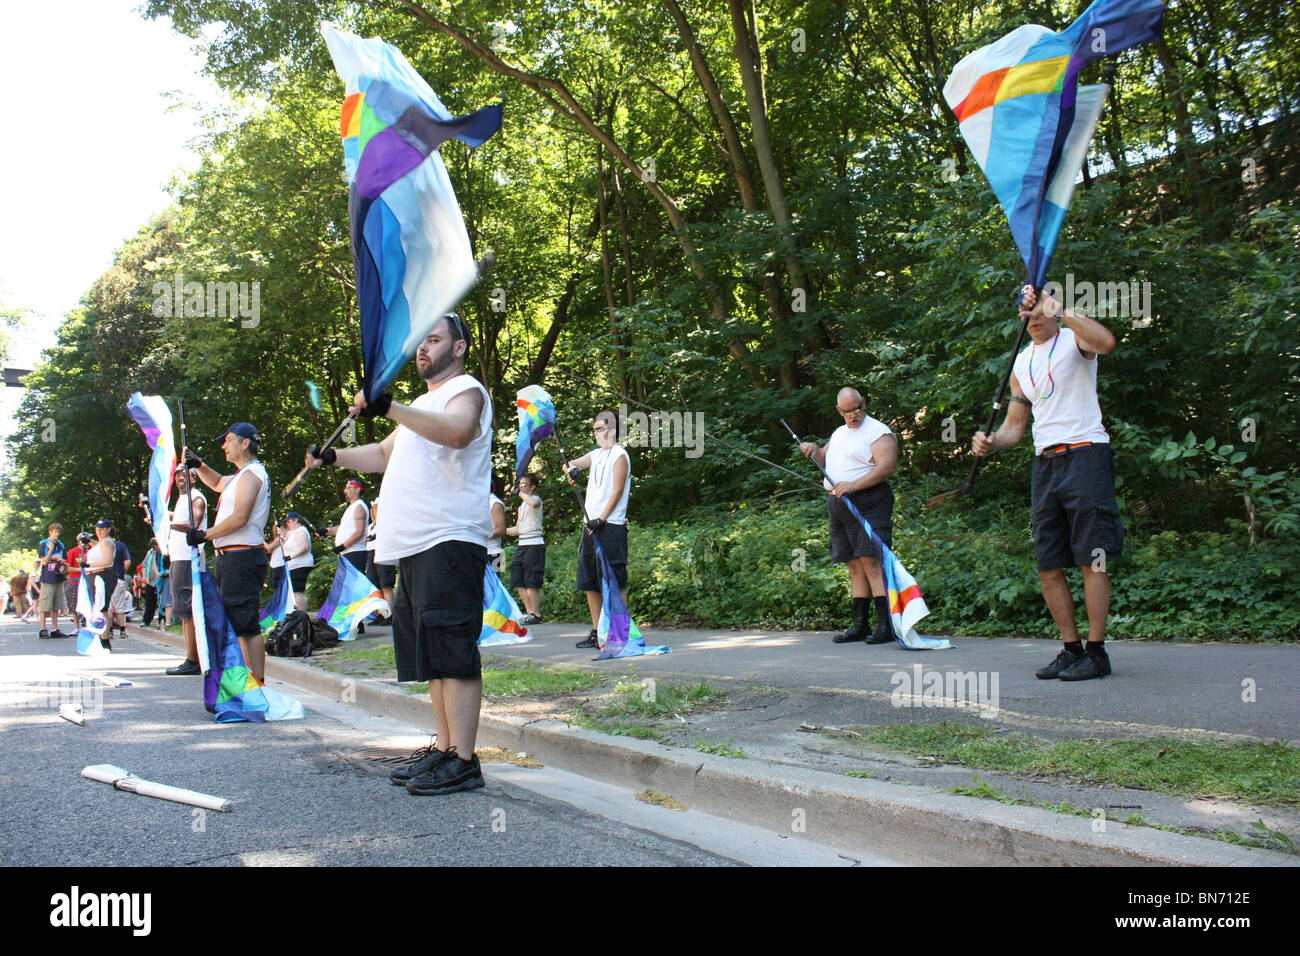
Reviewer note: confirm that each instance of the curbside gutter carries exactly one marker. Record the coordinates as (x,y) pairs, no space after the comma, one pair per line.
(913,825)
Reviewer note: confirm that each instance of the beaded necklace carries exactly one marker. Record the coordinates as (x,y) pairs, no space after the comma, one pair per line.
(1052,381)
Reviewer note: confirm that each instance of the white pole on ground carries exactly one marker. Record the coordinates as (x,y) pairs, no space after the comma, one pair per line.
(125,780)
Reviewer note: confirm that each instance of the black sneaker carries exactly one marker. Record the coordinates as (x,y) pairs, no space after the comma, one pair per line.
(451,775)
(1054,669)
(589,640)
(531,619)
(58,633)
(185,669)
(108,645)
(45,635)
(424,759)
(1087,666)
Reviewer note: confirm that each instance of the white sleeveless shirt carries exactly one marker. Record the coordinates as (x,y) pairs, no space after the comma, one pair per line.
(252,533)
(348,526)
(600,484)
(433,493)
(1065,405)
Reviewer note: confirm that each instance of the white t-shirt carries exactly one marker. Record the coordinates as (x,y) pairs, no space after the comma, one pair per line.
(494,544)
(295,541)
(530,522)
(1065,405)
(254,532)
(848,453)
(433,493)
(348,526)
(600,484)
(178,549)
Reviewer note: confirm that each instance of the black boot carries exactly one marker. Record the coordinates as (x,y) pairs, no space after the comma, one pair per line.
(884,633)
(860,628)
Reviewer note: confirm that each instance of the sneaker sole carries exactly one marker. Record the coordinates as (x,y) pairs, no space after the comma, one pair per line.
(473,783)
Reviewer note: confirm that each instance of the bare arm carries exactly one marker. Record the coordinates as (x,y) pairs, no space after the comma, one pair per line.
(620,482)
(814,451)
(1013,426)
(498,520)
(358,529)
(1092,337)
(884,452)
(455,428)
(241,510)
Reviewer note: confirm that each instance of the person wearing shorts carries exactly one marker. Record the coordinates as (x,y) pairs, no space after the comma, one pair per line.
(1075,516)
(443,441)
(53,576)
(528,564)
(298,559)
(382,576)
(237,535)
(101,577)
(609,481)
(189,500)
(859,458)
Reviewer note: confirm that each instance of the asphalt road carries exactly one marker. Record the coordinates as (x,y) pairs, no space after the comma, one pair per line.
(302,791)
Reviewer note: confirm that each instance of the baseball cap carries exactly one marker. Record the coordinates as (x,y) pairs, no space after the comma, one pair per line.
(243,430)
(103,523)
(293,514)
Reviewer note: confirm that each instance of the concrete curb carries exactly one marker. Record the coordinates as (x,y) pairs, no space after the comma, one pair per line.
(915,825)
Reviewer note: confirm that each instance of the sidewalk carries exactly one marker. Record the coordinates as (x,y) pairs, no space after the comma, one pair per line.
(787,715)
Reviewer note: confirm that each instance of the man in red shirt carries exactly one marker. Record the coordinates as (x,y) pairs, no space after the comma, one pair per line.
(74,574)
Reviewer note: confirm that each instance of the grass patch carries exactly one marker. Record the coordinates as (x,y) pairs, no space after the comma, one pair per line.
(725,748)
(1262,773)
(381,656)
(514,678)
(422,687)
(861,774)
(618,728)
(983,789)
(652,698)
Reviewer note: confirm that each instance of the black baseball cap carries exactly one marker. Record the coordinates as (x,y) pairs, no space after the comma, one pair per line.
(243,430)
(103,523)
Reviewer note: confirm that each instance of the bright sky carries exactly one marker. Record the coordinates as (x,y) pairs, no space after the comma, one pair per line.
(95,144)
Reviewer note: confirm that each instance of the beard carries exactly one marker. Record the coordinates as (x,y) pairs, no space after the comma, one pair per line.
(437,366)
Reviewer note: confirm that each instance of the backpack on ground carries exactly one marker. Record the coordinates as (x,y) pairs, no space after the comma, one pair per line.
(323,634)
(292,637)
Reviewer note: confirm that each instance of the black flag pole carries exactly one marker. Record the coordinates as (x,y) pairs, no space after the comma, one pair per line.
(969,484)
(290,488)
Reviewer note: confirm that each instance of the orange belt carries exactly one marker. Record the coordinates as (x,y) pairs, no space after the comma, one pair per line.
(236,547)
(1063,449)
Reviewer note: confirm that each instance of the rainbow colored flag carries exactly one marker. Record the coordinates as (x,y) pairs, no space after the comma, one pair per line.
(231,692)
(351,600)
(155,420)
(1028,122)
(410,249)
(616,632)
(90,607)
(503,622)
(906,606)
(536,423)
(279,606)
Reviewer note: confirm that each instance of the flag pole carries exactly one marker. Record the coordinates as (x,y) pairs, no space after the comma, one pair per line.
(565,455)
(329,443)
(196,582)
(969,485)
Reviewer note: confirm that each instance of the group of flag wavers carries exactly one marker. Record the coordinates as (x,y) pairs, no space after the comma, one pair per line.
(1027,123)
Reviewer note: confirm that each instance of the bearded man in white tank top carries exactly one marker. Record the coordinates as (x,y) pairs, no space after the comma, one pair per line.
(1075,516)
(237,534)
(437,464)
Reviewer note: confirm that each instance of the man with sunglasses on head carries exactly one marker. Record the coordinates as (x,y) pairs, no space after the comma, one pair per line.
(437,467)
(608,481)
(860,456)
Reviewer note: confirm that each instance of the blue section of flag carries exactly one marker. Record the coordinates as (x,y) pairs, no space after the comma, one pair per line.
(1028,122)
(153,416)
(502,619)
(616,632)
(411,251)
(351,600)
